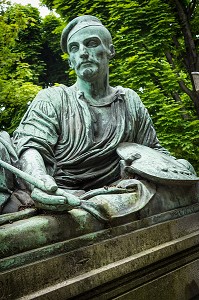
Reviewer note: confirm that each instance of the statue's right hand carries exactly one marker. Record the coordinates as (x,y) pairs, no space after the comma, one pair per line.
(47,199)
(49,183)
(52,198)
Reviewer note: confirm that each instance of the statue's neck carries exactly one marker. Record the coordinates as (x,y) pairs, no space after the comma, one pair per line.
(96,90)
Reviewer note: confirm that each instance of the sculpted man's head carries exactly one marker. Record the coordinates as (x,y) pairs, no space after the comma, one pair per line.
(89,45)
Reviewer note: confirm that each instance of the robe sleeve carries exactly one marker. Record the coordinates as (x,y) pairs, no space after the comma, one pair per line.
(39,128)
(145,133)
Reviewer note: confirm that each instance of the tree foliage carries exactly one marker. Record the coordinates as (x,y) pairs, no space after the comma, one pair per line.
(56,67)
(28,43)
(30,58)
(16,76)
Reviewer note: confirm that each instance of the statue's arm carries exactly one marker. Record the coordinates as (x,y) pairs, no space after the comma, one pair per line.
(34,141)
(32,163)
(39,128)
(145,131)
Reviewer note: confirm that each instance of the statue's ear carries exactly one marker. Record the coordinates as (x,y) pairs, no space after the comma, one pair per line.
(70,64)
(112,51)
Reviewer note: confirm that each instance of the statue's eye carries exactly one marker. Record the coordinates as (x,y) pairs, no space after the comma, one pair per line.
(92,43)
(74,48)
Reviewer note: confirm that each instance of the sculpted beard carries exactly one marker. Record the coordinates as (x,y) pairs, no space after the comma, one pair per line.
(90,72)
(88,69)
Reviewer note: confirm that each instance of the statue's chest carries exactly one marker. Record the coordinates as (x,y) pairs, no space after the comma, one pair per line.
(101,121)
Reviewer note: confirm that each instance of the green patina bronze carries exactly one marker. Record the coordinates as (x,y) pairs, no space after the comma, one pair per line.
(68,139)
(91,205)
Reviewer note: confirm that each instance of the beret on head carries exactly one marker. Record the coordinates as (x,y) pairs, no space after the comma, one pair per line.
(75,25)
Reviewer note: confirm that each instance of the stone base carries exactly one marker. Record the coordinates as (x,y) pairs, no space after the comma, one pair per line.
(138,260)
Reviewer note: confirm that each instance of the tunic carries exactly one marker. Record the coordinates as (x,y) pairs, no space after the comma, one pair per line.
(77,143)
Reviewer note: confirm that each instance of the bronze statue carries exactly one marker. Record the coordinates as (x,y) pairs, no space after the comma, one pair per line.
(69,136)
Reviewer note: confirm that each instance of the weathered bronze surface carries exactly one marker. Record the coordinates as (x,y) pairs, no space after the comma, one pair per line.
(155,166)
(82,225)
(69,140)
(134,260)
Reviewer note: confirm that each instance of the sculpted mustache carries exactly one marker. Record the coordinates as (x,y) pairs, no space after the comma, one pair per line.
(85,62)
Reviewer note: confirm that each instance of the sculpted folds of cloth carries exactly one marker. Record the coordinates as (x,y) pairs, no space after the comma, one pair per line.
(69,137)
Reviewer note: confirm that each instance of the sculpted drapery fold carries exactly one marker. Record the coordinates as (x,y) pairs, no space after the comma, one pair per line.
(60,124)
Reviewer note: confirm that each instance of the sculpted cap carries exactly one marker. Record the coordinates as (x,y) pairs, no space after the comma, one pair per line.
(75,25)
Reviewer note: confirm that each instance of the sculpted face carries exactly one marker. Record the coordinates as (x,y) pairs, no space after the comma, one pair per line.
(88,54)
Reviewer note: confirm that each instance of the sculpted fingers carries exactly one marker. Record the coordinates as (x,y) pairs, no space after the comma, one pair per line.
(49,183)
(42,197)
(54,202)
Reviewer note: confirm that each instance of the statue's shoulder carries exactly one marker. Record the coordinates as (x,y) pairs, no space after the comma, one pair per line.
(53,91)
(53,96)
(129,94)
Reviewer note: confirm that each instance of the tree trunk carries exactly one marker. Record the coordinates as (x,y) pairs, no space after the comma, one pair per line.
(191,58)
(191,53)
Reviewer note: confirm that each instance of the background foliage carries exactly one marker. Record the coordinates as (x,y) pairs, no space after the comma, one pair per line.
(156,45)
(30,58)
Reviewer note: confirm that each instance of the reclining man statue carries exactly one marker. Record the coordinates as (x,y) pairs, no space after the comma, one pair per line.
(69,136)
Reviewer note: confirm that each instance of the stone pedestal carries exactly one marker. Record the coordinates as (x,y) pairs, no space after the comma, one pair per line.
(154,258)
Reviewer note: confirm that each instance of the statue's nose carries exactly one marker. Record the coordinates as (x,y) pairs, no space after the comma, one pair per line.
(83,52)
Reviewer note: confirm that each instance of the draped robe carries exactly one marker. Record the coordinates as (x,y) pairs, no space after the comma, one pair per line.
(64,128)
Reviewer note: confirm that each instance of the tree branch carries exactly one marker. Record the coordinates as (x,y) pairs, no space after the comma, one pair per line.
(181,83)
(189,41)
(170,59)
(177,98)
(185,89)
(192,7)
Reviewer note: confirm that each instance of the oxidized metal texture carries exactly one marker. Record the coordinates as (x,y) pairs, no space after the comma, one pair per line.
(154,165)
